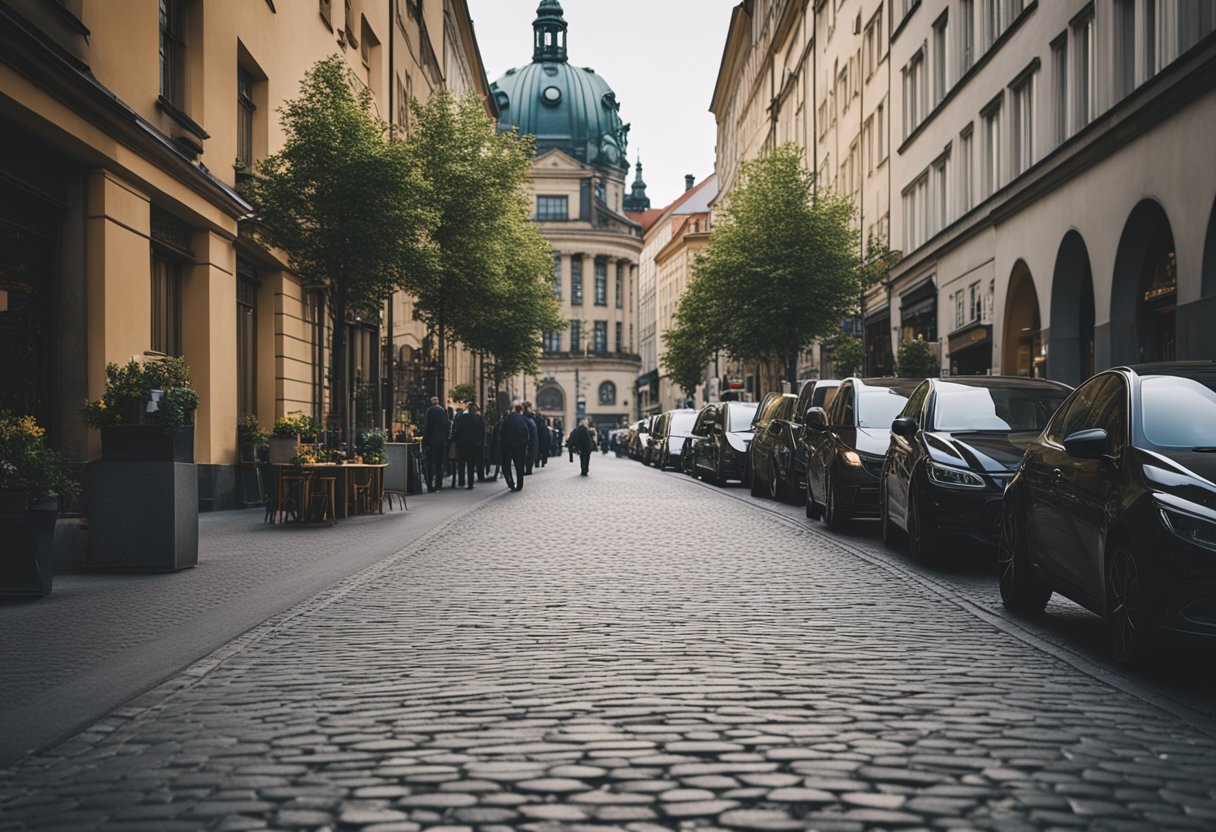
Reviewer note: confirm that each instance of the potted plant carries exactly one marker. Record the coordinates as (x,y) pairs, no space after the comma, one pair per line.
(289,432)
(253,438)
(33,481)
(146,413)
(371,446)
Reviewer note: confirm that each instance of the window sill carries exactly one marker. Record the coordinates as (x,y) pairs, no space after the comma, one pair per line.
(179,116)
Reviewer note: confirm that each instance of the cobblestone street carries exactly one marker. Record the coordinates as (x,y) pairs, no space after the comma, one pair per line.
(632,651)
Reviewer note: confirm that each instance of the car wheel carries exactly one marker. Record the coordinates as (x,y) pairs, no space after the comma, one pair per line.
(833,515)
(1021,591)
(921,544)
(1127,625)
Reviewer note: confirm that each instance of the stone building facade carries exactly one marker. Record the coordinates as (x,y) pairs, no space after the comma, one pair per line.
(578,191)
(124,126)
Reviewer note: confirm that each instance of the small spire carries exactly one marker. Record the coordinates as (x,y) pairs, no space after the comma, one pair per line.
(549,33)
(637,199)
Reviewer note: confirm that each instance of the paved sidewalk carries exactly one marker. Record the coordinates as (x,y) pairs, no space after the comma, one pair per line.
(620,652)
(99,639)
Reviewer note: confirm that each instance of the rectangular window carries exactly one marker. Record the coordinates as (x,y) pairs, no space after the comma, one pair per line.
(959,315)
(552,342)
(868,132)
(990,172)
(172,53)
(940,57)
(941,194)
(1084,71)
(576,335)
(620,285)
(966,35)
(1059,90)
(601,282)
(166,304)
(914,97)
(1124,58)
(620,337)
(915,199)
(1150,38)
(576,280)
(1021,128)
(244,117)
(965,162)
(246,338)
(975,303)
(881,131)
(601,337)
(552,208)
(557,275)
(992,23)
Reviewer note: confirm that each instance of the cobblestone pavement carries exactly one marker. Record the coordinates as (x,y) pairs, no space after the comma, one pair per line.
(628,652)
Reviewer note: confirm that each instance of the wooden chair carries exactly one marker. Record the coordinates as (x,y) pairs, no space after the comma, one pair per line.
(321,505)
(362,483)
(390,495)
(292,496)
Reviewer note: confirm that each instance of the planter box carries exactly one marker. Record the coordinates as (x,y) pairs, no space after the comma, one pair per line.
(283,448)
(27,553)
(146,443)
(142,515)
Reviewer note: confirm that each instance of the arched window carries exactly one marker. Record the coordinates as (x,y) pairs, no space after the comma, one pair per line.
(607,393)
(550,398)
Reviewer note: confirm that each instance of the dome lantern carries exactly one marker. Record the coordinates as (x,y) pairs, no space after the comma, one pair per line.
(549,33)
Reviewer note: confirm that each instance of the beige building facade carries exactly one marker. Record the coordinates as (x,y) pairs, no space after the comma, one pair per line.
(126,125)
(1056,209)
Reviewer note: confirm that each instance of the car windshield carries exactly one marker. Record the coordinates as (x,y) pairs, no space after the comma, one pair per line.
(681,424)
(878,407)
(739,416)
(961,407)
(1179,412)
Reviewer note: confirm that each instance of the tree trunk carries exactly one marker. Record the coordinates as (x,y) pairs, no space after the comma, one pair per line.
(791,369)
(439,384)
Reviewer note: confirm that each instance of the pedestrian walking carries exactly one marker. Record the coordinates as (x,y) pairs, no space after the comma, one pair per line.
(513,440)
(533,440)
(455,470)
(470,435)
(570,445)
(435,444)
(585,444)
(542,440)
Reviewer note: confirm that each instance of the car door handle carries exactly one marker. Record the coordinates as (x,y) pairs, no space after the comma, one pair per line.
(1057,476)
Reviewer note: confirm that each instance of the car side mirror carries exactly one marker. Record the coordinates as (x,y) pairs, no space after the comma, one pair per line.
(816,418)
(1087,444)
(904,426)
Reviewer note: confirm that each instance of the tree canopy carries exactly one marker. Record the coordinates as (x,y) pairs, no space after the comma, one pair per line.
(329,195)
(780,270)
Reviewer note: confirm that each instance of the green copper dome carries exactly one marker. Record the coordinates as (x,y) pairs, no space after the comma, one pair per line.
(563,106)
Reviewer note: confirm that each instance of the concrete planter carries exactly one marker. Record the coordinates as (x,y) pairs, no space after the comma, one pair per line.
(146,443)
(142,515)
(27,553)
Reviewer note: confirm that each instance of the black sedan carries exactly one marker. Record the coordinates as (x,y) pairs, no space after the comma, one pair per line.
(1115,506)
(720,441)
(775,410)
(846,445)
(953,449)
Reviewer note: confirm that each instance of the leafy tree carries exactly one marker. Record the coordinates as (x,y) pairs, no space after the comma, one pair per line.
(462,393)
(345,203)
(684,357)
(916,360)
(847,356)
(476,174)
(781,268)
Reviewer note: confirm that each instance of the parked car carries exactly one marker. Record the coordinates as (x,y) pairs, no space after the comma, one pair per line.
(786,470)
(648,438)
(1114,506)
(953,450)
(775,422)
(846,445)
(669,440)
(720,440)
(637,439)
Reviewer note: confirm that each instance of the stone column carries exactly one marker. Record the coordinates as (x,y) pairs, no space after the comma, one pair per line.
(209,345)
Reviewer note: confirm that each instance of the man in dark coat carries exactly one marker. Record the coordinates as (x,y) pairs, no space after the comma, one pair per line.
(435,444)
(470,435)
(533,440)
(584,444)
(542,438)
(513,439)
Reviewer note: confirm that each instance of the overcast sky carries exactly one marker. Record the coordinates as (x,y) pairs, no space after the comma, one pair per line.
(660,56)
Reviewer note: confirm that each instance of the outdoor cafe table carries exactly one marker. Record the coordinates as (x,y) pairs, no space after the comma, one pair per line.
(344,473)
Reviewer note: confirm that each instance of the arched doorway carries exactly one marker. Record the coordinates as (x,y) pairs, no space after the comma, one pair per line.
(1143,305)
(550,399)
(1070,350)
(1022,350)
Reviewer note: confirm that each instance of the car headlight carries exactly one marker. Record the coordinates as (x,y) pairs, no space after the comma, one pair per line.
(953,477)
(1194,530)
(851,458)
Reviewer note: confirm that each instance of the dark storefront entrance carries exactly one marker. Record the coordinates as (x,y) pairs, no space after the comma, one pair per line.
(971,351)
(880,359)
